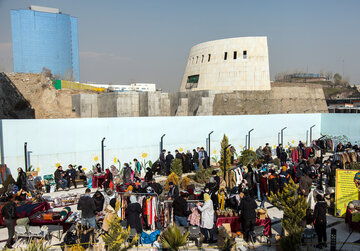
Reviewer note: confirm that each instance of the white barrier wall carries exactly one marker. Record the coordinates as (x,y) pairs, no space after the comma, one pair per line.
(339,124)
(78,141)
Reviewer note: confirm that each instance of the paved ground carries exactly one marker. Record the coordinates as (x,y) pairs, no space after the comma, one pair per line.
(275,215)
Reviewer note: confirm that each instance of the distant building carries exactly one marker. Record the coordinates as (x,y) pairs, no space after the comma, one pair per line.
(133,87)
(44,37)
(232,64)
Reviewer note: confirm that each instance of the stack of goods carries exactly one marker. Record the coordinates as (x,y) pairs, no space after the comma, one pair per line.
(261,213)
(227,213)
(64,200)
(354,209)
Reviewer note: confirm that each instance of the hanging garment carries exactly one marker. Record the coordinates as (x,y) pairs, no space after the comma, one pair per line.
(194,217)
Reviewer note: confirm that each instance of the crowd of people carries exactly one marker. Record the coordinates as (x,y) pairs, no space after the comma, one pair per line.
(260,179)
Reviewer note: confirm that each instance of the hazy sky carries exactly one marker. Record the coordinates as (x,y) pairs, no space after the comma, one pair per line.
(149,40)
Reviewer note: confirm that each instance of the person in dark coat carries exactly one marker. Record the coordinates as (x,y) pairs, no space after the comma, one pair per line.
(320,220)
(157,187)
(180,210)
(8,212)
(148,175)
(273,181)
(99,201)
(249,177)
(173,191)
(59,178)
(278,151)
(195,159)
(127,174)
(217,179)
(132,214)
(305,184)
(21,179)
(169,157)
(178,155)
(284,178)
(87,206)
(283,157)
(248,214)
(71,176)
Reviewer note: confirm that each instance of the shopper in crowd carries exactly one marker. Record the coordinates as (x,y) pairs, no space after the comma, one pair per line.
(71,176)
(127,173)
(21,179)
(267,153)
(137,167)
(168,159)
(248,214)
(8,212)
(305,184)
(195,160)
(320,221)
(180,210)
(284,178)
(173,191)
(283,157)
(263,183)
(273,182)
(207,218)
(87,207)
(132,215)
(99,200)
(109,181)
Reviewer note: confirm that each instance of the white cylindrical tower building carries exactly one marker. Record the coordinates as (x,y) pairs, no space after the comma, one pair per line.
(227,65)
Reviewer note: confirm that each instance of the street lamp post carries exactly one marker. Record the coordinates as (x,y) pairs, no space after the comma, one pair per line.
(26,156)
(282,135)
(279,138)
(311,133)
(249,138)
(209,150)
(102,153)
(224,162)
(162,142)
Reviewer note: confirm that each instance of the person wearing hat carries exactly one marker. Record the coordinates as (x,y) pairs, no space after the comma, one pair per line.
(173,191)
(320,221)
(207,218)
(267,153)
(138,188)
(305,184)
(284,178)
(273,181)
(132,215)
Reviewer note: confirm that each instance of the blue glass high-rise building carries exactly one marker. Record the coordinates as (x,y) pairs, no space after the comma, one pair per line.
(44,37)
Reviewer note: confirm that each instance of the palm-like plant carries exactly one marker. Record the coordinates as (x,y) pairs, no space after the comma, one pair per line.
(36,245)
(229,244)
(173,239)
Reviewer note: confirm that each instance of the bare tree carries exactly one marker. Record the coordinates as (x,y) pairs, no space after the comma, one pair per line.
(329,75)
(47,72)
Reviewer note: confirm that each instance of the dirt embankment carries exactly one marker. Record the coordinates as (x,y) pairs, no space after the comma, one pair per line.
(48,102)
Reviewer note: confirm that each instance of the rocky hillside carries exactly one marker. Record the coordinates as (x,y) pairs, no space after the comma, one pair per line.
(39,91)
(13,105)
